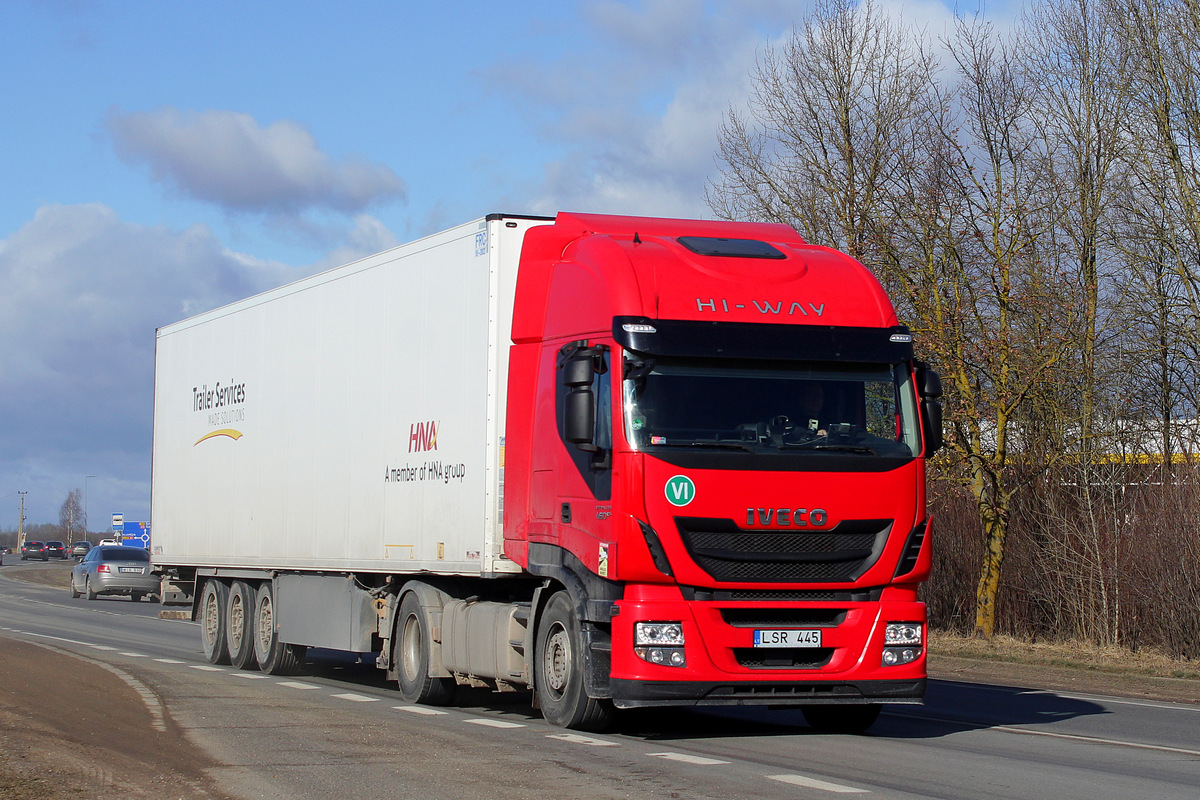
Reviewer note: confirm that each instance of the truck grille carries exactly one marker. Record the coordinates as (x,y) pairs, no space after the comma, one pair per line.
(792,658)
(729,553)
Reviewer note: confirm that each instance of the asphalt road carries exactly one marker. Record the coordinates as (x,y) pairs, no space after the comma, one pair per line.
(338,730)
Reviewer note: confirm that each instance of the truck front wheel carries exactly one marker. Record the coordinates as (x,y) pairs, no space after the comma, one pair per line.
(559,668)
(213,601)
(410,655)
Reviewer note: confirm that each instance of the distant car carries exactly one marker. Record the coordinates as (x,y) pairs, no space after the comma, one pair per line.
(104,542)
(108,569)
(5,551)
(80,549)
(33,549)
(55,549)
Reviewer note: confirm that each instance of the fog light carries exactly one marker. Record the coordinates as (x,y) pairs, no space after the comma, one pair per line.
(902,633)
(895,656)
(663,656)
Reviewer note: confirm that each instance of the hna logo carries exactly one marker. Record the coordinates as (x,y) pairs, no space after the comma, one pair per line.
(422,436)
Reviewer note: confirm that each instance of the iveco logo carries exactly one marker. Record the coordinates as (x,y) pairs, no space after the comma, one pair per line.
(799,517)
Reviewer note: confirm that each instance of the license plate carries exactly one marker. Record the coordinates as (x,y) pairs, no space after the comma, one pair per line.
(788,638)
(138,570)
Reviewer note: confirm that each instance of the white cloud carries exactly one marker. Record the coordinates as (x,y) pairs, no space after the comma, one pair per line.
(638,112)
(83,294)
(227,158)
(367,237)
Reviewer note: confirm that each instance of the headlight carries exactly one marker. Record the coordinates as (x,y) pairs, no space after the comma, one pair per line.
(902,643)
(658,633)
(898,633)
(660,643)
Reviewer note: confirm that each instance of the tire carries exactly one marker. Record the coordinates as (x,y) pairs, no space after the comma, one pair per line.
(74,591)
(411,645)
(87,589)
(842,719)
(213,600)
(274,657)
(558,671)
(239,625)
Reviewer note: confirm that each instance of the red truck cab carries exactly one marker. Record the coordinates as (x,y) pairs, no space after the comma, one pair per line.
(716,436)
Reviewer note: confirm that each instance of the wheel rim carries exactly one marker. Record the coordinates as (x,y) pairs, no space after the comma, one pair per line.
(557,660)
(237,618)
(410,648)
(212,625)
(266,625)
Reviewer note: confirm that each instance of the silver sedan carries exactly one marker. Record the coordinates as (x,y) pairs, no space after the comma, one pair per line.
(114,570)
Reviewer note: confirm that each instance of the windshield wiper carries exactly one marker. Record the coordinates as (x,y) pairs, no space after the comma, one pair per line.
(840,448)
(715,445)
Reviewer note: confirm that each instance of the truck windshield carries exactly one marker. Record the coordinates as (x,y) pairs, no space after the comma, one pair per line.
(868,409)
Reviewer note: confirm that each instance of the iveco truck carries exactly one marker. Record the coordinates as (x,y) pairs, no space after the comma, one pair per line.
(613,461)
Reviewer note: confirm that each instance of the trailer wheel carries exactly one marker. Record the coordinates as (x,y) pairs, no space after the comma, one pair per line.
(841,719)
(410,655)
(213,600)
(239,628)
(274,657)
(559,667)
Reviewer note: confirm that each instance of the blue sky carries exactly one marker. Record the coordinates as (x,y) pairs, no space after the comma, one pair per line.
(163,157)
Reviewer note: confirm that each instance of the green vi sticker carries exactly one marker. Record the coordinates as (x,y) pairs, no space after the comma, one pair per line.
(680,490)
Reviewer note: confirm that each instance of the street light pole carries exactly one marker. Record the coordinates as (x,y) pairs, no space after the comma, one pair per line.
(21,520)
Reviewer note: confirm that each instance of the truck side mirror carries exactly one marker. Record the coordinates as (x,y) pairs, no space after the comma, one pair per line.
(930,383)
(931,422)
(580,422)
(929,386)
(579,411)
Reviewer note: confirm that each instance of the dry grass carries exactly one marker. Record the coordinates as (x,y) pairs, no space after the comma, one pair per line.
(1079,655)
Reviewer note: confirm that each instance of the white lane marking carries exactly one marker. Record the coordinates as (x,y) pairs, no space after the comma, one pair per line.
(419,710)
(206,668)
(134,655)
(813,783)
(356,698)
(168,661)
(298,685)
(1097,740)
(48,636)
(494,723)
(251,676)
(102,647)
(688,759)
(575,738)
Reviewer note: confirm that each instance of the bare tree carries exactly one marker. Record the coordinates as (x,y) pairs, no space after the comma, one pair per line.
(71,516)
(826,125)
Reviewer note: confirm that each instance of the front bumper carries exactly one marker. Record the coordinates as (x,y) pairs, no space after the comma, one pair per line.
(638,694)
(725,667)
